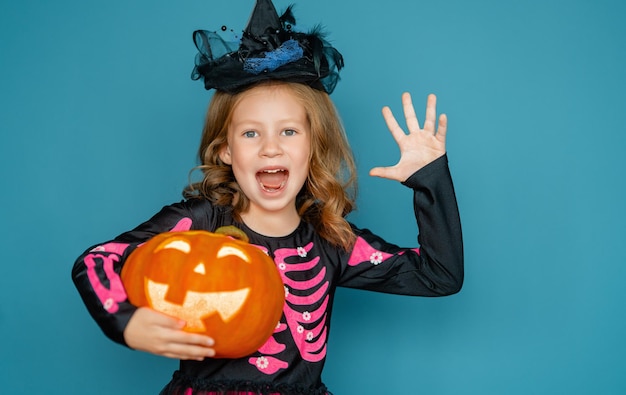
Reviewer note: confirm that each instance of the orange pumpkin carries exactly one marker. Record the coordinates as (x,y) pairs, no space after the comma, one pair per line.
(225,288)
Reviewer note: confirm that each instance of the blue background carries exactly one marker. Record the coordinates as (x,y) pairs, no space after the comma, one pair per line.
(99,126)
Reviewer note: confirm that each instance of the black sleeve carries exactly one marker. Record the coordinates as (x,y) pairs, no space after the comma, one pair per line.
(433,269)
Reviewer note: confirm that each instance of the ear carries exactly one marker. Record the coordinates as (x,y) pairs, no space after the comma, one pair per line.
(225,154)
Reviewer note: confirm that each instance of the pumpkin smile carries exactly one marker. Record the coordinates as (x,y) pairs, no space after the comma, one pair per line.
(272,180)
(198,305)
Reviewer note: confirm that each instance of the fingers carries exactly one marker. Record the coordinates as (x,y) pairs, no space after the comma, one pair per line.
(410,116)
(431,113)
(162,320)
(409,113)
(160,334)
(183,345)
(442,128)
(419,146)
(383,172)
(392,124)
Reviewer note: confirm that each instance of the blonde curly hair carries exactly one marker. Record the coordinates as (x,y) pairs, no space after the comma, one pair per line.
(328,194)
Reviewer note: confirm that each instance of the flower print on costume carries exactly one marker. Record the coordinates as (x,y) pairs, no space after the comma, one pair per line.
(376,258)
(262,363)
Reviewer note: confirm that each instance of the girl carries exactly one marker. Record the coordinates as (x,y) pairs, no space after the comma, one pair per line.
(277,165)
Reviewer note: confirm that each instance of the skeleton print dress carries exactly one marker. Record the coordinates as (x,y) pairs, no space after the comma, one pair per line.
(291,361)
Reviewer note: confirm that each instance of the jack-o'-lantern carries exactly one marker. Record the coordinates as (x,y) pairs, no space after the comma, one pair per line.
(223,287)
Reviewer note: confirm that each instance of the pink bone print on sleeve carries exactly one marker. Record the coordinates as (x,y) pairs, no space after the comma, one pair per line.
(364,252)
(115,293)
(182,225)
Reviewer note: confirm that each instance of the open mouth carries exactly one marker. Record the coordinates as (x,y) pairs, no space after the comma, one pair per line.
(272,180)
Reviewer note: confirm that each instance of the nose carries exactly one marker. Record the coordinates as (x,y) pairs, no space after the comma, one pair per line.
(270,147)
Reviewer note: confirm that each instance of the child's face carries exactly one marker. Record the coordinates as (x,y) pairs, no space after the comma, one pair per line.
(269,149)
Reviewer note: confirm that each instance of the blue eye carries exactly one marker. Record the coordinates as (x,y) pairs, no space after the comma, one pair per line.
(289,132)
(249,133)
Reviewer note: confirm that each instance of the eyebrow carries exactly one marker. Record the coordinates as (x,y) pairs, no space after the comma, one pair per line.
(287,121)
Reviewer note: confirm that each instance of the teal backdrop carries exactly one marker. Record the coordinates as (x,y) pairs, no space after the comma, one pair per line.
(99,125)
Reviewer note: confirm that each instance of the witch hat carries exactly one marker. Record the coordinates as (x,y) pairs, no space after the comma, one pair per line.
(264,24)
(270,49)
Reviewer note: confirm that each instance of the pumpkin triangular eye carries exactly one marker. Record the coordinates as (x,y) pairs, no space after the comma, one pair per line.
(200,268)
(230,250)
(180,245)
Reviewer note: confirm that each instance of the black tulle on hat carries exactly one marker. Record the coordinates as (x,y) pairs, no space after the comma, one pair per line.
(269,49)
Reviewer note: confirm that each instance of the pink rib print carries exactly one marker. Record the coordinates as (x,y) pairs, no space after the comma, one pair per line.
(306,323)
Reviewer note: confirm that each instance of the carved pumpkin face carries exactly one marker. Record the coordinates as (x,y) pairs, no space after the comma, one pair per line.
(222,287)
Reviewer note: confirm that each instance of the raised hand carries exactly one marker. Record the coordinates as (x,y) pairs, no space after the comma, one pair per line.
(420,146)
(151,331)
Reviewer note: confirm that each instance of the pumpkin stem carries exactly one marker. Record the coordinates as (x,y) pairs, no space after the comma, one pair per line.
(232,231)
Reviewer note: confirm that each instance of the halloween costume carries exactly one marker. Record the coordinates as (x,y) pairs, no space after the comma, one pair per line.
(291,361)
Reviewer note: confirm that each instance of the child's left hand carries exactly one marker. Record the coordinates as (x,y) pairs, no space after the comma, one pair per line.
(420,146)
